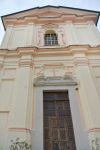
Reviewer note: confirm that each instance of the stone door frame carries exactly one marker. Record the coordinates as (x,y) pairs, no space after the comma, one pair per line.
(81,135)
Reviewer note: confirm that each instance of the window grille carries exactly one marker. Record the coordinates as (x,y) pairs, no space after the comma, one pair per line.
(51,39)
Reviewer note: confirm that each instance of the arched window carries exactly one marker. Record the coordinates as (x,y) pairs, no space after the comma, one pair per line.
(50,38)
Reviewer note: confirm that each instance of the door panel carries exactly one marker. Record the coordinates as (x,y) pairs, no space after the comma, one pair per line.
(58,127)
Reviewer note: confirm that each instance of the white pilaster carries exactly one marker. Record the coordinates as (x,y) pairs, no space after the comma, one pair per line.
(87,90)
(30,33)
(20,117)
(96,33)
(7,36)
(70,31)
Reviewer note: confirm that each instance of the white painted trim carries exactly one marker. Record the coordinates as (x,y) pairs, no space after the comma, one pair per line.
(81,137)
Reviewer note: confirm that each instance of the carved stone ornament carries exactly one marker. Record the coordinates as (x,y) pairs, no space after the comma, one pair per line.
(54,81)
(96,144)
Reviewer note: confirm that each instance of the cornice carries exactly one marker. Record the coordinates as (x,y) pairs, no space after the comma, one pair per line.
(74,18)
(19,129)
(17,52)
(51,51)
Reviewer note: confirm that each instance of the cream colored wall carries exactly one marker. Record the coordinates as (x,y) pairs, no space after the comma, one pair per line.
(82,34)
(17,76)
(86,34)
(15,100)
(3,129)
(95,71)
(19,36)
(33,35)
(19,69)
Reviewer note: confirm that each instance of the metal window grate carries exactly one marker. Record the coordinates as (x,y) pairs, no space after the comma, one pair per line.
(51,39)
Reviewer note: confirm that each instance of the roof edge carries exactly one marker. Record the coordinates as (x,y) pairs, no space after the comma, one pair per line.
(41,7)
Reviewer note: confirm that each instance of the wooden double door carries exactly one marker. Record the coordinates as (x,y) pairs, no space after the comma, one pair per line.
(58,127)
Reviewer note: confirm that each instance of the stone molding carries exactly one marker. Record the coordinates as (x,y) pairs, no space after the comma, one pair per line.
(26,61)
(55,81)
(39,18)
(81,61)
(68,50)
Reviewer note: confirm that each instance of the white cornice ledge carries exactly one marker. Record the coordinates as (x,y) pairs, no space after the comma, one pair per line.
(33,50)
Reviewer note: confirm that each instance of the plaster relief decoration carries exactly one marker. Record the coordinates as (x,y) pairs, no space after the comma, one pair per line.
(54,74)
(38,71)
(40,37)
(96,144)
(62,36)
(50,28)
(41,32)
(55,70)
(54,81)
(47,70)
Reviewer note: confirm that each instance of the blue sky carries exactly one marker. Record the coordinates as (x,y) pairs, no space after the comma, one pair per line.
(11,6)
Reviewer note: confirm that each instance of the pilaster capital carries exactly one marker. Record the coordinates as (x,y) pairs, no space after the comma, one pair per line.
(80,61)
(79,56)
(26,61)
(79,50)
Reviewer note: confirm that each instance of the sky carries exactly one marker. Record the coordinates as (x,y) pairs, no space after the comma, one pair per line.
(12,6)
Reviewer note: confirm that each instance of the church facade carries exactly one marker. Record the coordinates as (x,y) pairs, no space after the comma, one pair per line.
(50,79)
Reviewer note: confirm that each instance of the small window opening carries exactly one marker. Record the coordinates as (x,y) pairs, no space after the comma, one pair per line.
(50,38)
